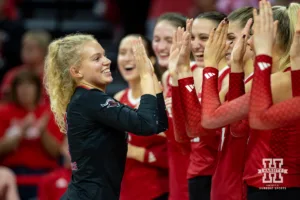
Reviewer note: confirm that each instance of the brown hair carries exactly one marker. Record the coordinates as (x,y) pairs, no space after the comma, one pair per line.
(43,38)
(25,76)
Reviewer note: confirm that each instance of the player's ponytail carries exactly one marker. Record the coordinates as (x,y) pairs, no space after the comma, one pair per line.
(62,54)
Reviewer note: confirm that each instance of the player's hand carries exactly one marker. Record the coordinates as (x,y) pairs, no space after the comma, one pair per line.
(184,38)
(216,46)
(264,29)
(239,49)
(174,53)
(142,61)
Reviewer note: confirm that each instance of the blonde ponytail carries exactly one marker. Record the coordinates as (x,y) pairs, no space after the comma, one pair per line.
(62,54)
(293,13)
(287,18)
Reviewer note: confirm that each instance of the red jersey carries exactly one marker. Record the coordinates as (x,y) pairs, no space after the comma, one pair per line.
(277,148)
(273,158)
(205,148)
(178,157)
(30,152)
(9,77)
(149,179)
(53,185)
(227,182)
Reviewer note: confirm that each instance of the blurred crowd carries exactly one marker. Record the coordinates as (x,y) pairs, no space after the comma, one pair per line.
(34,159)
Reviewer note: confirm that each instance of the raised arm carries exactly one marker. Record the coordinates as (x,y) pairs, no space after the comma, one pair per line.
(189,99)
(263,114)
(148,119)
(215,114)
(179,125)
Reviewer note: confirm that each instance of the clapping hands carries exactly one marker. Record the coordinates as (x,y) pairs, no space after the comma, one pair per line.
(142,61)
(265,29)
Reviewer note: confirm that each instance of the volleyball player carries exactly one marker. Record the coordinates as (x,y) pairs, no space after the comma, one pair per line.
(76,74)
(146,169)
(178,152)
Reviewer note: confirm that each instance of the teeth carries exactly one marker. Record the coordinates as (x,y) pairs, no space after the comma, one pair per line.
(164,54)
(106,71)
(129,67)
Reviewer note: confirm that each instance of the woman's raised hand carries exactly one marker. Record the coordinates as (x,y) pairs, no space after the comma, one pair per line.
(184,39)
(239,49)
(216,46)
(264,29)
(142,61)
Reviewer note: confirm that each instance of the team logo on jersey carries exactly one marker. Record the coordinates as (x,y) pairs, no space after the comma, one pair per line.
(74,166)
(272,172)
(209,75)
(197,139)
(151,157)
(110,103)
(190,87)
(263,65)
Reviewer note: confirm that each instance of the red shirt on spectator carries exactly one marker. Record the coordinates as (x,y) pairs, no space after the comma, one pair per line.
(53,185)
(30,152)
(159,7)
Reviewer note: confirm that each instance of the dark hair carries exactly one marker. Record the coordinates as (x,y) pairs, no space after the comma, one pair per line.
(23,77)
(242,15)
(214,16)
(149,51)
(176,19)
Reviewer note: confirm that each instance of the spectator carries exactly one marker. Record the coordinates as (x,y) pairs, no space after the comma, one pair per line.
(34,49)
(52,186)
(29,137)
(11,31)
(8,187)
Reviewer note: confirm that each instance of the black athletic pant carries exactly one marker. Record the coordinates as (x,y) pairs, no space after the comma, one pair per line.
(199,188)
(276,194)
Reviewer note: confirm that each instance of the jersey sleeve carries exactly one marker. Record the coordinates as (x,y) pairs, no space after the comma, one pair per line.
(162,116)
(112,113)
(217,115)
(178,117)
(263,114)
(237,89)
(295,76)
(192,109)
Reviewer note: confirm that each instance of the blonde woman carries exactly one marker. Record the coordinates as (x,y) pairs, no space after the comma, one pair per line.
(76,75)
